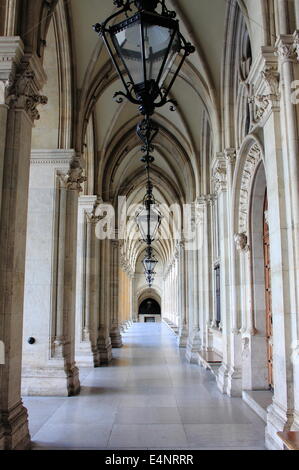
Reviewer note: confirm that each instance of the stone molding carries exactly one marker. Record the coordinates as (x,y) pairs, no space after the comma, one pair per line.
(52,157)
(219,173)
(252,160)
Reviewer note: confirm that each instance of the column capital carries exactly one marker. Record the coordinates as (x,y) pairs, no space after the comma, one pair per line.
(26,81)
(287,48)
(73,179)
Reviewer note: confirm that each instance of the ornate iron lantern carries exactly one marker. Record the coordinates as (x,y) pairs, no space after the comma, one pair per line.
(149,218)
(144,48)
(150,262)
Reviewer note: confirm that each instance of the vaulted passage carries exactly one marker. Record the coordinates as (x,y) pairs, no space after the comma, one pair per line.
(101,354)
(146,400)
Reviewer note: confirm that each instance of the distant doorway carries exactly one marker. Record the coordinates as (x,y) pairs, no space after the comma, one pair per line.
(149,307)
(149,311)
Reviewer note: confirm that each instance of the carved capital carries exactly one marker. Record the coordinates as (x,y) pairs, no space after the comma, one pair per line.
(75,176)
(287,49)
(73,179)
(241,242)
(23,92)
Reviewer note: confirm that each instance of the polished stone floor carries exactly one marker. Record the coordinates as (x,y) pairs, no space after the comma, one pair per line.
(150,398)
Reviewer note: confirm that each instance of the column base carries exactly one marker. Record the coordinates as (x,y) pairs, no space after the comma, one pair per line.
(15,429)
(278,420)
(51,381)
(84,356)
(183,337)
(234,383)
(116,338)
(104,348)
(222,379)
(193,347)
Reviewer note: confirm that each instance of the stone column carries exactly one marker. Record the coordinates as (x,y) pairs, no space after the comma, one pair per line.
(220,186)
(194,340)
(183,326)
(21,96)
(116,339)
(281,154)
(87,290)
(104,340)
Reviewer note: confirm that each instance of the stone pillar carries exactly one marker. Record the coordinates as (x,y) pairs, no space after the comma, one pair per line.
(194,340)
(104,340)
(220,186)
(87,290)
(115,335)
(183,326)
(22,77)
(281,154)
(206,280)
(49,364)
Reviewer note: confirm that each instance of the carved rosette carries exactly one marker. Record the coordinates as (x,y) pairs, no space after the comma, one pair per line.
(252,160)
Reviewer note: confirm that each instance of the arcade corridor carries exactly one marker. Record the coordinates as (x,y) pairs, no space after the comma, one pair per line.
(149,398)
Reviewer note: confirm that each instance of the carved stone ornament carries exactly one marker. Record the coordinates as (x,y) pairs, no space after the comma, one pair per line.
(287,51)
(92,218)
(73,179)
(271,94)
(219,174)
(22,92)
(252,160)
(241,242)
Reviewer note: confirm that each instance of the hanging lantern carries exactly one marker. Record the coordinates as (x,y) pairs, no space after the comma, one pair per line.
(144,48)
(150,262)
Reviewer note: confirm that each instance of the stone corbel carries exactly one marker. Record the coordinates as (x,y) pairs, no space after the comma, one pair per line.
(241,242)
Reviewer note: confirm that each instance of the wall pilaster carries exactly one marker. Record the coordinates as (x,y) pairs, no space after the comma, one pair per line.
(49,364)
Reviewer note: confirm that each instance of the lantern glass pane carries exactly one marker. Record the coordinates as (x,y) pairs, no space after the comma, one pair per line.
(128,46)
(157,40)
(151,228)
